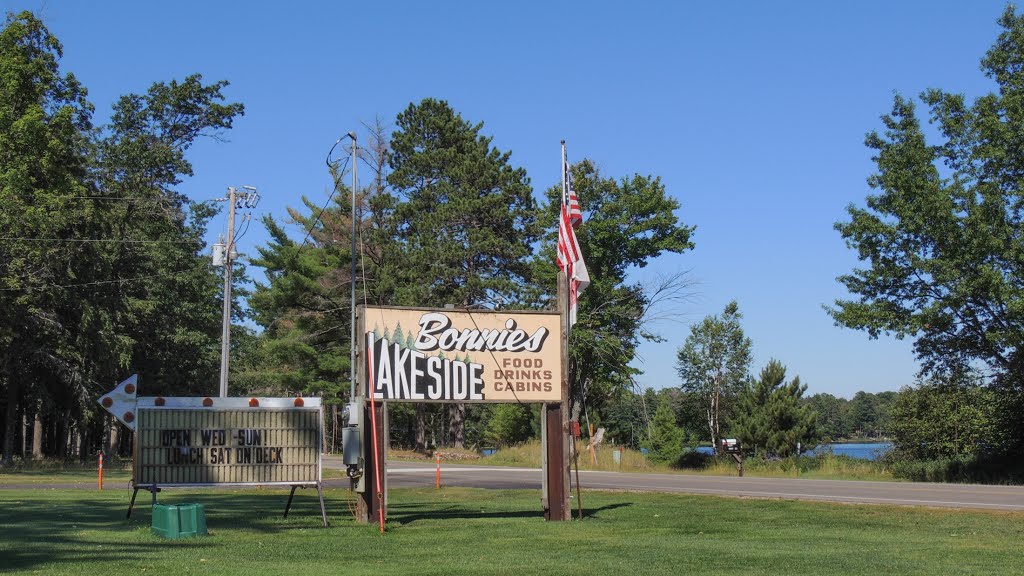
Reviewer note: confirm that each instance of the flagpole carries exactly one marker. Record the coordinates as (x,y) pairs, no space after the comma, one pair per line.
(568,280)
(568,332)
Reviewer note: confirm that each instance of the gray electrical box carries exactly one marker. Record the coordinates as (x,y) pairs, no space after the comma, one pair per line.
(350,446)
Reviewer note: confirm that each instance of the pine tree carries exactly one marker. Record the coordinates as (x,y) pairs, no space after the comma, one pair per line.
(466,218)
(463,219)
(665,444)
(770,418)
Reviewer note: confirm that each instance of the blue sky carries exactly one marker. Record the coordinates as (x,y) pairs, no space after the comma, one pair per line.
(753,114)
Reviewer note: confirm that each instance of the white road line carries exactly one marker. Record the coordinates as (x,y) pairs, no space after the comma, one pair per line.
(733,490)
(810,496)
(450,469)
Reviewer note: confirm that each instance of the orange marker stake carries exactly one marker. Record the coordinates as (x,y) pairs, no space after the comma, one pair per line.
(101,472)
(438,482)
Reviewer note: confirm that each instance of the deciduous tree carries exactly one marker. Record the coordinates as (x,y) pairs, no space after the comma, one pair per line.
(941,236)
(628,222)
(833,415)
(44,124)
(101,264)
(945,418)
(508,424)
(713,363)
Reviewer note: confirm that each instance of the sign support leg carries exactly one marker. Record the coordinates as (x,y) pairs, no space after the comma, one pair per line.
(544,464)
(135,492)
(320,494)
(153,489)
(291,495)
(557,470)
(323,509)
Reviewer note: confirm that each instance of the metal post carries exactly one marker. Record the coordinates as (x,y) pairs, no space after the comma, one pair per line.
(352,296)
(225,339)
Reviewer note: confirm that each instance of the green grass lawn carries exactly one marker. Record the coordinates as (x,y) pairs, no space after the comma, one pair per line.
(75,476)
(468,531)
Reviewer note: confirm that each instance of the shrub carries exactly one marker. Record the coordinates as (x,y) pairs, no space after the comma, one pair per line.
(966,469)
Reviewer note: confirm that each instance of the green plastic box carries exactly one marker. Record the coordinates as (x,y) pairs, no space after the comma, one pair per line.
(179,521)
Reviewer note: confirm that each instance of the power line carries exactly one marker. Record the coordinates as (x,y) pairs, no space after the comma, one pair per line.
(118,281)
(128,198)
(117,240)
(329,198)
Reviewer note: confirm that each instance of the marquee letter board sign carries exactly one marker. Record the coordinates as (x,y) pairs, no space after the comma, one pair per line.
(425,355)
(202,441)
(180,443)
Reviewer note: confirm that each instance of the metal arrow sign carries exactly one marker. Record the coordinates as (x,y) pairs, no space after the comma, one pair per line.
(121,401)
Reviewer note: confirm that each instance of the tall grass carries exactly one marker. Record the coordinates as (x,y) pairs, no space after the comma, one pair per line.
(528,455)
(824,466)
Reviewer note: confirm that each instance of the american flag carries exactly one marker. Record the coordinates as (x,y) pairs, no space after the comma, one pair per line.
(570,258)
(569,197)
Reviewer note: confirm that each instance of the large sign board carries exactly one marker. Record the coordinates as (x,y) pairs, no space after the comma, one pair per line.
(205,441)
(430,355)
(185,445)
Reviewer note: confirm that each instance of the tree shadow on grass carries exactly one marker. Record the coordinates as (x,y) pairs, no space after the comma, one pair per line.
(405,514)
(54,526)
(595,512)
(38,530)
(253,509)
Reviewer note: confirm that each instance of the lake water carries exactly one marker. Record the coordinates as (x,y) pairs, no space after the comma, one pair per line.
(862,450)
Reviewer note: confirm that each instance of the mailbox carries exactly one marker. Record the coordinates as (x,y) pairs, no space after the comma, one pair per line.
(730,445)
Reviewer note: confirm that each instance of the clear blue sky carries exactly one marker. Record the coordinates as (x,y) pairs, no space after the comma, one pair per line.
(753,114)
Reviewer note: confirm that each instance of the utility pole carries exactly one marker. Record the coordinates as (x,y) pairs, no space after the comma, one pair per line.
(247,199)
(225,335)
(352,299)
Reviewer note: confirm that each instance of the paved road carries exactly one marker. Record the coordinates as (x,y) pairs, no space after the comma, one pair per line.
(404,474)
(410,474)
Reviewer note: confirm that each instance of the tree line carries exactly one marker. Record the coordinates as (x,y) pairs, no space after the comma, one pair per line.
(101,264)
(942,260)
(104,271)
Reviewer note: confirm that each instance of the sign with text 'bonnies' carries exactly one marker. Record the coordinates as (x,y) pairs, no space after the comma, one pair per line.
(427,355)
